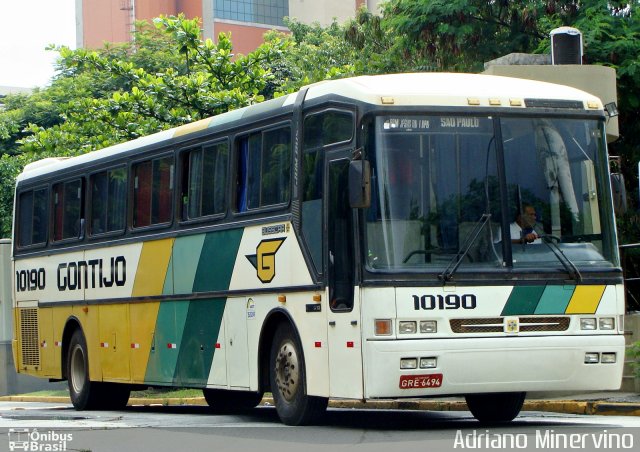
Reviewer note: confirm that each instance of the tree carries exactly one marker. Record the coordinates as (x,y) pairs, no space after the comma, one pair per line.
(119,93)
(460,35)
(167,77)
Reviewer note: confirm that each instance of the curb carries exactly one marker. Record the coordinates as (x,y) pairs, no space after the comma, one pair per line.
(601,408)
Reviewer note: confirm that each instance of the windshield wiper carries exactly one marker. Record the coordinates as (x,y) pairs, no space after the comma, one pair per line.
(469,240)
(571,268)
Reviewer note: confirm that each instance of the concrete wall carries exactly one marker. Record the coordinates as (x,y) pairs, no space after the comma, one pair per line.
(10,381)
(597,80)
(6,324)
(102,21)
(324,12)
(632,328)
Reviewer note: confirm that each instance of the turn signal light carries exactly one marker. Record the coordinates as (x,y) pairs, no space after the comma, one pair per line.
(383,327)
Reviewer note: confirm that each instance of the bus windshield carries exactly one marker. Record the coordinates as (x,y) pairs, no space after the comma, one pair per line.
(437,194)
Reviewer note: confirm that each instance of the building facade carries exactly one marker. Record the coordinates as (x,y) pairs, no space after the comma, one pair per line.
(100,21)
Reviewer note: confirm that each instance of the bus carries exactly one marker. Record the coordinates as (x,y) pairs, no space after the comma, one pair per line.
(362,238)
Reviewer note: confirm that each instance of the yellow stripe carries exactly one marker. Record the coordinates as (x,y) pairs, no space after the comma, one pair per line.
(192,127)
(585,300)
(152,268)
(143,316)
(114,332)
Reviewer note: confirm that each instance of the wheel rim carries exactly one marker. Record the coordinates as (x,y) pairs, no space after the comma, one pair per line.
(287,371)
(78,369)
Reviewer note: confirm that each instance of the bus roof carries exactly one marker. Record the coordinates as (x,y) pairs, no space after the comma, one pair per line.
(413,89)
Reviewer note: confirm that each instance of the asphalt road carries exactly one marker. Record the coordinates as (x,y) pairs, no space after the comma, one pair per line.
(47,426)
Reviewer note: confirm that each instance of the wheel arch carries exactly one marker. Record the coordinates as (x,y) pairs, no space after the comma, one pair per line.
(70,327)
(269,326)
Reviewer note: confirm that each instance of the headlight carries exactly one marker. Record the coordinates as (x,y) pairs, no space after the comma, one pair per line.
(607,323)
(588,324)
(428,326)
(407,328)
(608,358)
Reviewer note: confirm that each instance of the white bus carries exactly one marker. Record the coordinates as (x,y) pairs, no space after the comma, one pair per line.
(393,236)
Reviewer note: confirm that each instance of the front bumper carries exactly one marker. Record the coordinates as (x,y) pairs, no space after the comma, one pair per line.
(476,365)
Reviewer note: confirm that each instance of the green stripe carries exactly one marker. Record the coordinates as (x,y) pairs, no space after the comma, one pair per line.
(555,299)
(186,255)
(170,324)
(198,342)
(217,260)
(523,300)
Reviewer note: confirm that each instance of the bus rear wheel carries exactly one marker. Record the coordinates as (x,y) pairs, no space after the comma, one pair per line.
(495,407)
(287,377)
(83,392)
(86,394)
(226,401)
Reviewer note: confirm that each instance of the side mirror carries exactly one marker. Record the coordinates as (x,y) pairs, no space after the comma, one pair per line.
(359,184)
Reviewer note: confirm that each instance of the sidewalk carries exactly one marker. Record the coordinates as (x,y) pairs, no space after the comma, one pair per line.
(600,403)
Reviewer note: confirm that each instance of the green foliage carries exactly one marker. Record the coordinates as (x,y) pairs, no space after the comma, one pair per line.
(460,35)
(168,76)
(208,82)
(633,352)
(311,53)
(377,49)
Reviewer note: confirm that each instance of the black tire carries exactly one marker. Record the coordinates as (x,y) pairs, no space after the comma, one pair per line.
(495,407)
(230,401)
(287,377)
(86,394)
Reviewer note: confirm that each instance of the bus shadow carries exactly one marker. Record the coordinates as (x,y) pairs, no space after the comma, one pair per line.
(372,419)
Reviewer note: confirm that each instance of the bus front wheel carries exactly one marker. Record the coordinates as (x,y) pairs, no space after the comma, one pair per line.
(496,407)
(288,380)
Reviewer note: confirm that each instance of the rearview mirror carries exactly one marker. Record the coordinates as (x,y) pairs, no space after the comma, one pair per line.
(359,184)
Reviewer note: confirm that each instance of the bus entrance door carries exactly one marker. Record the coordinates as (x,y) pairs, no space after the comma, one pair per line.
(345,351)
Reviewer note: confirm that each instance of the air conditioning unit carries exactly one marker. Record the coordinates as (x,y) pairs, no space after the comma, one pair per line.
(566,46)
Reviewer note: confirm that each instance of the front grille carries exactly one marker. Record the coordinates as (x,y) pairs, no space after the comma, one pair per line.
(534,324)
(29,336)
(496,324)
(490,325)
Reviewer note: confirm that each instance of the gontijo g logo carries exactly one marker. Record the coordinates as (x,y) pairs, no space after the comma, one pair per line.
(264,261)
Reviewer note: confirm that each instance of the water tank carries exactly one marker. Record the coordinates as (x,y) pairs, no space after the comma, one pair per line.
(566,46)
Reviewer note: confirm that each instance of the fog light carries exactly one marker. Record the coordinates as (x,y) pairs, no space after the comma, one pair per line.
(383,327)
(587,324)
(407,328)
(591,358)
(608,358)
(428,326)
(428,363)
(408,363)
(607,323)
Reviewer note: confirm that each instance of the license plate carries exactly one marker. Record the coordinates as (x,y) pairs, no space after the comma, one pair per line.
(420,381)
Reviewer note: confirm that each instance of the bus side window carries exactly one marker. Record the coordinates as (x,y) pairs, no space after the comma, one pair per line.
(264,169)
(32,217)
(68,210)
(153,192)
(327,128)
(205,172)
(108,201)
(324,128)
